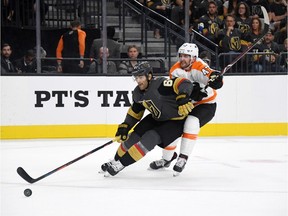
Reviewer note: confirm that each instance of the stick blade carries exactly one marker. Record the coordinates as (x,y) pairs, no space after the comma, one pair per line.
(25,175)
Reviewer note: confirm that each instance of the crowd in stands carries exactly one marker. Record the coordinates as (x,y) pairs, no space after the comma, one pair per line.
(232,24)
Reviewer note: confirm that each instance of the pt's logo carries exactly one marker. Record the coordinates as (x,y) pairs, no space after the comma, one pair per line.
(80,98)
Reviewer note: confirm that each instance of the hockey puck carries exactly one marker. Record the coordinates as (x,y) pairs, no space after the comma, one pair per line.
(27,192)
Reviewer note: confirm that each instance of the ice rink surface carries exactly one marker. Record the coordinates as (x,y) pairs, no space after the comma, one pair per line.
(226,176)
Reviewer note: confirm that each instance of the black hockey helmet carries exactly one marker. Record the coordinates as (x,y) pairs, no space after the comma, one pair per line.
(142,68)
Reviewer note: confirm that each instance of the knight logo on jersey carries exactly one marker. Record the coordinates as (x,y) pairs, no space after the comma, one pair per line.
(244,27)
(149,105)
(165,2)
(214,27)
(235,43)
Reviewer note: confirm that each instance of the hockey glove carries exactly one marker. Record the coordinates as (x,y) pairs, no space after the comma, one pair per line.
(184,104)
(122,132)
(198,93)
(216,80)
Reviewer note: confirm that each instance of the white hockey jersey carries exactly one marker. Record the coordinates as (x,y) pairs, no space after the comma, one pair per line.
(199,73)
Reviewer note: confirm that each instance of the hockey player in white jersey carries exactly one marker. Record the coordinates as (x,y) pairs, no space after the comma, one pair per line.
(205,78)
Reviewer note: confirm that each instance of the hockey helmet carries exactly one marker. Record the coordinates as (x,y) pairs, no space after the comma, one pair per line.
(142,68)
(189,49)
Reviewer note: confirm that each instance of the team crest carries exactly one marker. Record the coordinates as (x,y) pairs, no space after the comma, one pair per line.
(213,28)
(149,105)
(235,43)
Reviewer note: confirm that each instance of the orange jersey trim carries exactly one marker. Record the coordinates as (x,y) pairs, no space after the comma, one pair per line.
(190,136)
(170,148)
(174,67)
(207,99)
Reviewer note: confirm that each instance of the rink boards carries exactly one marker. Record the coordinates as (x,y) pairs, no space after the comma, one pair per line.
(92,106)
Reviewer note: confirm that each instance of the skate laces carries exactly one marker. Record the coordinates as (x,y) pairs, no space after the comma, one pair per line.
(180,162)
(109,163)
(116,165)
(160,162)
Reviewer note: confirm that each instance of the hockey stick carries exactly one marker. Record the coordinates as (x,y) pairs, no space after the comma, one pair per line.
(31,180)
(265,30)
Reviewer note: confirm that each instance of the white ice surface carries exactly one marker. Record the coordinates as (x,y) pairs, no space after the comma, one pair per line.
(227,176)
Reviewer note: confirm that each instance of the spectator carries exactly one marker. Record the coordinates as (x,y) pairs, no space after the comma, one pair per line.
(126,67)
(255,30)
(203,6)
(242,17)
(178,17)
(71,45)
(269,62)
(229,7)
(27,63)
(210,23)
(45,66)
(6,64)
(178,12)
(28,12)
(252,36)
(113,46)
(231,41)
(278,13)
(164,9)
(7,10)
(43,52)
(206,57)
(97,65)
(284,56)
(255,7)
(281,35)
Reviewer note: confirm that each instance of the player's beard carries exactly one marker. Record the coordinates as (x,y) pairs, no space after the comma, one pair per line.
(184,65)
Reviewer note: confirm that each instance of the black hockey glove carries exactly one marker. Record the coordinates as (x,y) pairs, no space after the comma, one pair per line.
(198,93)
(184,104)
(216,80)
(122,132)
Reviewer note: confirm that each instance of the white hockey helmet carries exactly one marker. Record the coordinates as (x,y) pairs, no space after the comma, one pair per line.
(189,49)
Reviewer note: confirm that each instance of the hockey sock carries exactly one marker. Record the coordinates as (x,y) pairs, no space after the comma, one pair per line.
(190,135)
(147,142)
(168,151)
(124,146)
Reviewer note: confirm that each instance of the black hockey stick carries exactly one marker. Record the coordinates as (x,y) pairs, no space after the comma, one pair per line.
(31,180)
(265,30)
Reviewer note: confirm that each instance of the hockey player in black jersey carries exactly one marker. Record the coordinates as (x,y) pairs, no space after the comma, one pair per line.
(168,102)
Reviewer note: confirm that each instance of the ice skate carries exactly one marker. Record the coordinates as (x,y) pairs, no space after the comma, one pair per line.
(104,166)
(179,166)
(162,163)
(114,168)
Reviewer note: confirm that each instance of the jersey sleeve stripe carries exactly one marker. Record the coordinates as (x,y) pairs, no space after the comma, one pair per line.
(176,84)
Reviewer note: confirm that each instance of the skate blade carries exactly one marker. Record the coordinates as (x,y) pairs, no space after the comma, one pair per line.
(107,175)
(160,169)
(101,171)
(175,174)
